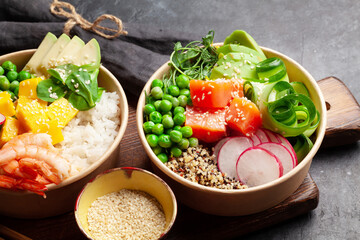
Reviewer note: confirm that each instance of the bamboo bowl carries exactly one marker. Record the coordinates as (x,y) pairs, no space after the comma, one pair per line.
(61,198)
(247,201)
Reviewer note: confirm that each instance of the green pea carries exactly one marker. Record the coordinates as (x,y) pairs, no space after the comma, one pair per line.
(177,128)
(151,100)
(157,150)
(157,83)
(175,102)
(165,105)
(167,97)
(23,75)
(8,66)
(167,121)
(155,117)
(179,109)
(152,140)
(157,105)
(13,85)
(183,100)
(174,90)
(168,131)
(149,108)
(175,136)
(186,131)
(175,151)
(193,142)
(157,92)
(158,129)
(148,126)
(2,71)
(183,144)
(4,83)
(16,91)
(185,92)
(182,81)
(169,113)
(12,75)
(164,141)
(163,157)
(179,119)
(12,95)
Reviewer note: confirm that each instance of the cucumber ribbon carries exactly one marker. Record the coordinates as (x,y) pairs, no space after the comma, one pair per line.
(283,109)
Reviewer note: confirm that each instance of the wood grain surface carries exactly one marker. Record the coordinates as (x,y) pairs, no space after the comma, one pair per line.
(343,126)
(190,224)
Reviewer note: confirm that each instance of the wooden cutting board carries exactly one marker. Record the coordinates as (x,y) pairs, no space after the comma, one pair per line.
(343,122)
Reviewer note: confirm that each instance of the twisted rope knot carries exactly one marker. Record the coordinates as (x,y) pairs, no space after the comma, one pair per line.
(67,10)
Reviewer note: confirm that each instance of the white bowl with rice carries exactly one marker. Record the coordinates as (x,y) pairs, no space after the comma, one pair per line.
(91,143)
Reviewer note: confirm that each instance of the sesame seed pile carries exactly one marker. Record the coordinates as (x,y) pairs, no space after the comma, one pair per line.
(198,165)
(126,214)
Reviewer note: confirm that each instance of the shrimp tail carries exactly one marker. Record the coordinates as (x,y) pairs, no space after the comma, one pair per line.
(32,186)
(22,184)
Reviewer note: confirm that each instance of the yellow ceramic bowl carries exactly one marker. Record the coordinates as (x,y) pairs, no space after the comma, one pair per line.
(247,201)
(116,179)
(61,198)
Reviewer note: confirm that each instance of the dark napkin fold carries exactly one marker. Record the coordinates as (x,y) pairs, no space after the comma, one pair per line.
(132,58)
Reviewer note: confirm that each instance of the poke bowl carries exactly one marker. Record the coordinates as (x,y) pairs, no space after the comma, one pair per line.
(144,196)
(252,195)
(58,198)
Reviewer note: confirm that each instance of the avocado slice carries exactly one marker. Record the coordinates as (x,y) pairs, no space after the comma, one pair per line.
(89,54)
(243,38)
(68,55)
(34,62)
(228,48)
(235,65)
(237,57)
(49,61)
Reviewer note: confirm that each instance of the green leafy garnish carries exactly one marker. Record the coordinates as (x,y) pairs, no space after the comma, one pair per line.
(77,84)
(194,60)
(51,89)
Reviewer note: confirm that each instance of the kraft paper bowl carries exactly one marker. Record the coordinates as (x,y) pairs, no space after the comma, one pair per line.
(246,201)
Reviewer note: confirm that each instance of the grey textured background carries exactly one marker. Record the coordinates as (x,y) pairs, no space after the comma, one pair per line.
(323,36)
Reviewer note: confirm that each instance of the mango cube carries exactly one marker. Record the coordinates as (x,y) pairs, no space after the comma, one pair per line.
(10,129)
(28,87)
(31,114)
(7,107)
(51,127)
(62,111)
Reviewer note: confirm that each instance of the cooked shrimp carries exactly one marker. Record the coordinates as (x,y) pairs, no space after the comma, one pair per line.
(30,162)
(41,167)
(38,139)
(59,165)
(22,184)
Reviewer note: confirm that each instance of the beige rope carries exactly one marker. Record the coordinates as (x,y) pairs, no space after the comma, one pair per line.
(67,10)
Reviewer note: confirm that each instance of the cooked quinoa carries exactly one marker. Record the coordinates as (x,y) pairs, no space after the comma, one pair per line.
(198,165)
(127,214)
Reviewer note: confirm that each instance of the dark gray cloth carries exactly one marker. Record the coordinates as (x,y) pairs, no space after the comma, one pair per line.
(132,58)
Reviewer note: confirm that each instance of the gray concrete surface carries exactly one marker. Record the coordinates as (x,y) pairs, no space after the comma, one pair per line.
(323,36)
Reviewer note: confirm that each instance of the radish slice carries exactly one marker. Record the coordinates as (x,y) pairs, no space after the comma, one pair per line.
(229,154)
(218,146)
(257,166)
(255,139)
(272,136)
(2,119)
(262,135)
(282,153)
(288,145)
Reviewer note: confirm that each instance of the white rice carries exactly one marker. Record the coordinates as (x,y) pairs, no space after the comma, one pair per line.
(90,133)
